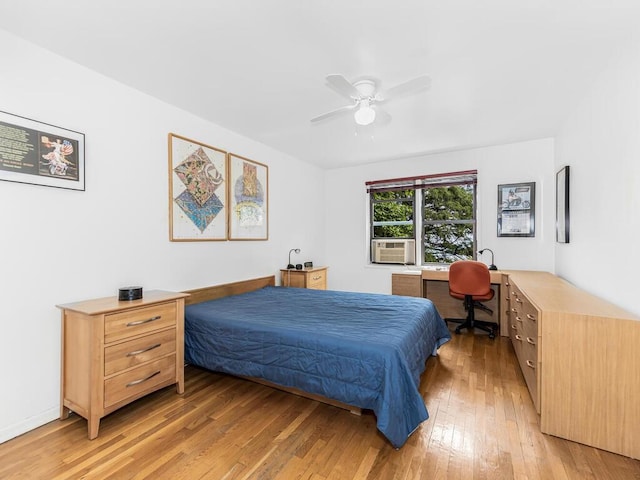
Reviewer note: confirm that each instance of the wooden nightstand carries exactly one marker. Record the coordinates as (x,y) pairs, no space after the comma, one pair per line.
(114,352)
(315,278)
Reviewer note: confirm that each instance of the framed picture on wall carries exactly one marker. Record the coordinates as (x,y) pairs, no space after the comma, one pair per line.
(562,205)
(197,191)
(248,199)
(40,154)
(516,210)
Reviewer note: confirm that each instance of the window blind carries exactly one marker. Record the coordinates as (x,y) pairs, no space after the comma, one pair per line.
(466,177)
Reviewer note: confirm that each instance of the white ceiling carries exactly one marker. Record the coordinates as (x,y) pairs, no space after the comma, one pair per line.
(501,70)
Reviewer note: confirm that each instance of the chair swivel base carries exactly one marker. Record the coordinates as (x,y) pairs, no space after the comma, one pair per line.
(488,327)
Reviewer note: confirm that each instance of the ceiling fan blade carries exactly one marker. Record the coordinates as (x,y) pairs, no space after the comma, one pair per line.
(333,112)
(343,86)
(412,86)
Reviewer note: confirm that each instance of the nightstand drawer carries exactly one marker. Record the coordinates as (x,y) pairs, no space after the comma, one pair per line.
(122,325)
(135,352)
(139,380)
(317,280)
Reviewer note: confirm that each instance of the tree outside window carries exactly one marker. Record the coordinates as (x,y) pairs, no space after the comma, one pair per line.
(392,214)
(448,219)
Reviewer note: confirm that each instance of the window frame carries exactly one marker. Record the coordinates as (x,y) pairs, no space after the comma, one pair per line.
(419,184)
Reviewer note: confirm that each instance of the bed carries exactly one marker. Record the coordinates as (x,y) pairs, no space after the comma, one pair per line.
(357,349)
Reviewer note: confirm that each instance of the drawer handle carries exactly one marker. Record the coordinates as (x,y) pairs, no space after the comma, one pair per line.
(140,322)
(531,317)
(518,337)
(142,380)
(531,364)
(518,300)
(530,341)
(518,319)
(514,327)
(514,310)
(138,352)
(318,277)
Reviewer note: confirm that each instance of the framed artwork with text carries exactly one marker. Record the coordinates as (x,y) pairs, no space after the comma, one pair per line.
(40,154)
(516,210)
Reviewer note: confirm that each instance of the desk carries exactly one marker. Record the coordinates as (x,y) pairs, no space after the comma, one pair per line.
(434,285)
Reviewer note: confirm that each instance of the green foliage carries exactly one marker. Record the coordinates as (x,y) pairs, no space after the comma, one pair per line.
(395,210)
(448,203)
(446,243)
(448,224)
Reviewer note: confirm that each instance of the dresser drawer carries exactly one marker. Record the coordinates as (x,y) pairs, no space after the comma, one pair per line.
(139,380)
(135,352)
(529,366)
(317,280)
(118,326)
(530,320)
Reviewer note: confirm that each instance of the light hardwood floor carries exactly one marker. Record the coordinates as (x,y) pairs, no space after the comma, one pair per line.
(482,426)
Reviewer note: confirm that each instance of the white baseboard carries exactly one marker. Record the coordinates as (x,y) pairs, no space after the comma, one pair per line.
(28,424)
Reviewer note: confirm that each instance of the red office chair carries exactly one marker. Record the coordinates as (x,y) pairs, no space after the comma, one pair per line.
(470,281)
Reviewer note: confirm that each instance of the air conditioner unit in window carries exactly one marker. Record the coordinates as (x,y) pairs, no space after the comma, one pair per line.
(393,250)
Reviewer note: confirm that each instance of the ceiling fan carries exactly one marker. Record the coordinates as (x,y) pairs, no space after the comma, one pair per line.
(366,98)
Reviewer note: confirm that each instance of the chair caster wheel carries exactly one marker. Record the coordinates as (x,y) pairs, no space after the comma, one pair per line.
(457,331)
(492,336)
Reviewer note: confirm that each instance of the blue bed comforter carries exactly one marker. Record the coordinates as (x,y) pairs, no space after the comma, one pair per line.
(365,350)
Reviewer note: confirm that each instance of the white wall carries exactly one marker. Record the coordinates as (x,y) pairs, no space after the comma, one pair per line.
(347,229)
(60,246)
(600,141)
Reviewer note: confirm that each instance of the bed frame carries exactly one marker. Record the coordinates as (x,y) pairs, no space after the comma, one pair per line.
(214,292)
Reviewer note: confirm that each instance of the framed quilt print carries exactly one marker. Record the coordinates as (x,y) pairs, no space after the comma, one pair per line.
(197,191)
(248,199)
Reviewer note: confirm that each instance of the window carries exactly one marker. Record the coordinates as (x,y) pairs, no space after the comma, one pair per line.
(392,214)
(439,210)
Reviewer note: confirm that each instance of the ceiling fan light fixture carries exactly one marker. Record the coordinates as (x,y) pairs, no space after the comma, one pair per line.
(365,115)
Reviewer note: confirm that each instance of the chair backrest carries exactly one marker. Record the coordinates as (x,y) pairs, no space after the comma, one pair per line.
(468,277)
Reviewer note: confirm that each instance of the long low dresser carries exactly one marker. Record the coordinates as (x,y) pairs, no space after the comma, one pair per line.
(579,354)
(580,357)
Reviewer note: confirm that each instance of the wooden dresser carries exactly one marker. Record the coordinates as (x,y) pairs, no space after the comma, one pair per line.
(580,357)
(314,277)
(114,352)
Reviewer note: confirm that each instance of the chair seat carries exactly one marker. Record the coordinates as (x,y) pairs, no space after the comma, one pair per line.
(476,298)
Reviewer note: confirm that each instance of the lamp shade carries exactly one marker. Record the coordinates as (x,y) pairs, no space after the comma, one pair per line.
(365,115)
